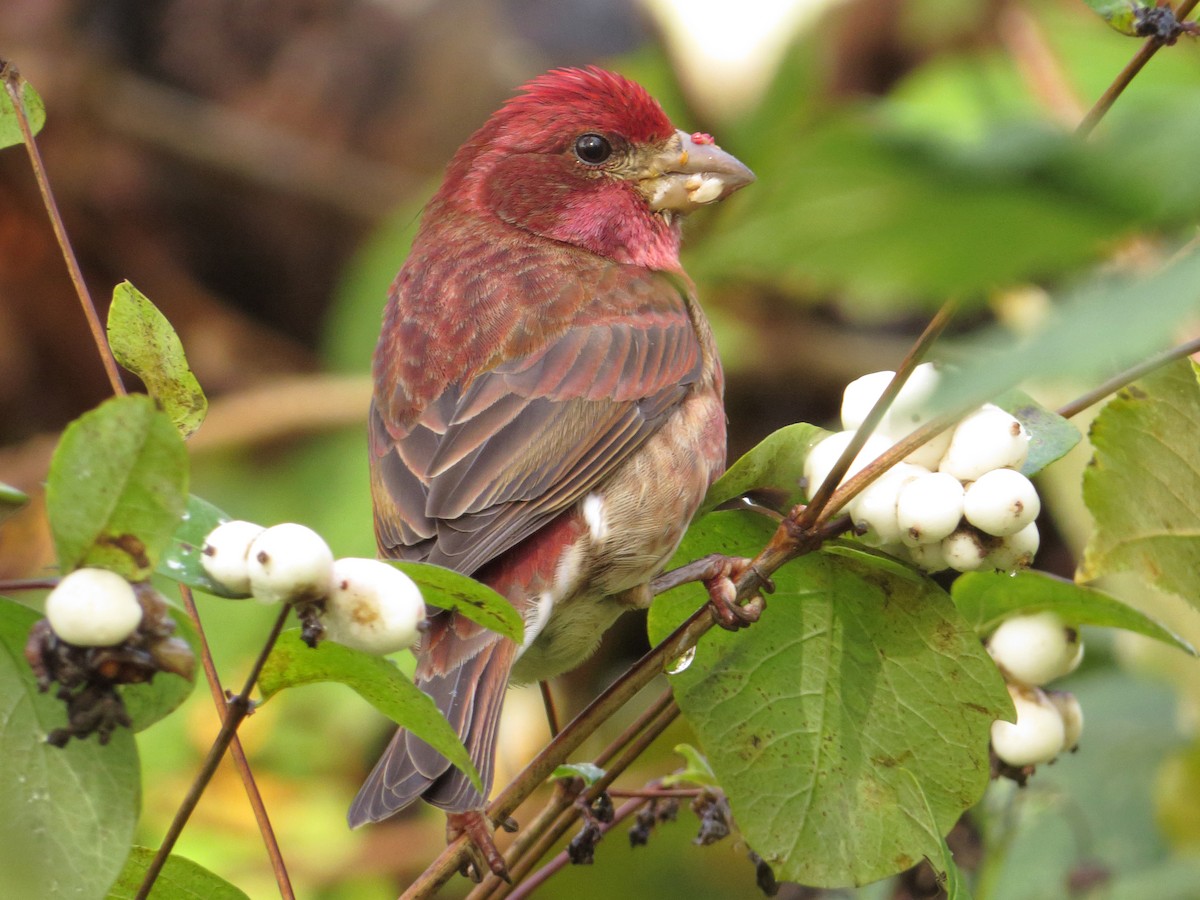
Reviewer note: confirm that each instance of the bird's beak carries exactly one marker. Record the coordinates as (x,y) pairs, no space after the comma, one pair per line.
(692,171)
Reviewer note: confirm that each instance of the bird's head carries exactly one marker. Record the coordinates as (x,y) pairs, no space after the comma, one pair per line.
(587,157)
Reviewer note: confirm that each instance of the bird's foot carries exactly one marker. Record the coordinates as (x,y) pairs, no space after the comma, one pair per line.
(719,580)
(483,854)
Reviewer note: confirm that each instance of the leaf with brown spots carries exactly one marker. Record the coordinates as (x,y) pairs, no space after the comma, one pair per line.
(117,487)
(849,727)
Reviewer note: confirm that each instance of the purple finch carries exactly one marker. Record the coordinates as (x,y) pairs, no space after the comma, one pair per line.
(547,412)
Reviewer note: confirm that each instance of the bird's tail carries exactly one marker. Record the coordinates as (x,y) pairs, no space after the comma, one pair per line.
(470,696)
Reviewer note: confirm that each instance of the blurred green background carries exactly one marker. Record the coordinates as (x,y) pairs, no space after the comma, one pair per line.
(258,168)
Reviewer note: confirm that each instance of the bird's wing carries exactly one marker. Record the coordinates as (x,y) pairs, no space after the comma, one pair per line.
(494,458)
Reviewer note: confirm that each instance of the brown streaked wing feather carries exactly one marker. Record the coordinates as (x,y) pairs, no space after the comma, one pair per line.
(526,439)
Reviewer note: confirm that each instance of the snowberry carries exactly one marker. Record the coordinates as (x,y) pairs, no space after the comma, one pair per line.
(824,455)
(1038,734)
(289,562)
(964,550)
(1001,502)
(373,607)
(93,608)
(911,407)
(1035,649)
(987,439)
(929,508)
(929,557)
(1015,551)
(226,554)
(1072,715)
(875,507)
(860,396)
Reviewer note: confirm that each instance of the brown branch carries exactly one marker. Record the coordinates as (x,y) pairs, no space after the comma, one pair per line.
(1126,75)
(15,85)
(641,742)
(524,850)
(238,753)
(1130,375)
(820,500)
(239,708)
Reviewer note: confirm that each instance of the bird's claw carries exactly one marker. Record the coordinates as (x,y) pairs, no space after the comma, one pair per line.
(722,593)
(483,854)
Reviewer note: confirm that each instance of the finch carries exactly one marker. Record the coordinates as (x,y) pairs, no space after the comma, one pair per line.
(547,410)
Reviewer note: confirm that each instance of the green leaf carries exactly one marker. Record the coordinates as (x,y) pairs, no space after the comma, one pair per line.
(180,879)
(375,679)
(11,500)
(182,560)
(1099,329)
(587,771)
(697,771)
(447,589)
(1143,486)
(816,719)
(887,219)
(938,853)
(986,599)
(1129,17)
(144,342)
(67,814)
(1051,437)
(773,470)
(117,487)
(35,112)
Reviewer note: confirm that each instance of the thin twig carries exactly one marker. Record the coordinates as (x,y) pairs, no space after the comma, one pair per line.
(238,754)
(15,85)
(542,875)
(562,799)
(568,741)
(551,709)
(1126,75)
(1130,375)
(616,768)
(817,505)
(239,708)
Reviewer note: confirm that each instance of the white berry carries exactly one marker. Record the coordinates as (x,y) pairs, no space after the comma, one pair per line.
(911,407)
(1001,502)
(861,395)
(225,556)
(288,563)
(1036,649)
(93,608)
(930,453)
(823,456)
(1038,734)
(929,557)
(929,508)
(987,439)
(964,550)
(1015,551)
(373,607)
(1072,715)
(874,508)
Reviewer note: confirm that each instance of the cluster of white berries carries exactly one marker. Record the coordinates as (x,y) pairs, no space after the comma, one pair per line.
(958,502)
(362,603)
(1032,651)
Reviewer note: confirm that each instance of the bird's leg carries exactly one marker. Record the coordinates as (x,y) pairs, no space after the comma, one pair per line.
(719,580)
(482,850)
(718,574)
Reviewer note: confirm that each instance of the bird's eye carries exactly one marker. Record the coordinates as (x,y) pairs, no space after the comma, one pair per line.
(593,149)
